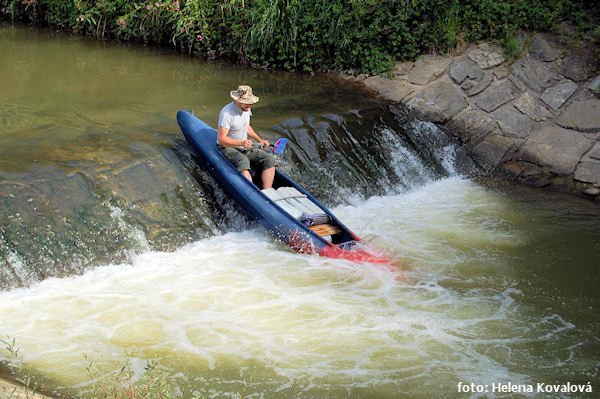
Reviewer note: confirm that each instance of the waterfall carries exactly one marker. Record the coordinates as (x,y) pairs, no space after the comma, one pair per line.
(62,221)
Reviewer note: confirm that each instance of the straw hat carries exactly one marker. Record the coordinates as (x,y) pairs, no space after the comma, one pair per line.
(244,95)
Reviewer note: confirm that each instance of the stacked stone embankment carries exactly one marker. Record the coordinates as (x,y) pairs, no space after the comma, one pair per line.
(536,120)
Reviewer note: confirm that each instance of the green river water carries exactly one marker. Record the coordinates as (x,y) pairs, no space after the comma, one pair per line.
(114,247)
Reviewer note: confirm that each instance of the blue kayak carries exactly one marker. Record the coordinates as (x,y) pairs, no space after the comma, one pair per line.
(279,209)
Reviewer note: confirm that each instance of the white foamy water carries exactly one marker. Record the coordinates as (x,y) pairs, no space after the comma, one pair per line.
(133,233)
(241,306)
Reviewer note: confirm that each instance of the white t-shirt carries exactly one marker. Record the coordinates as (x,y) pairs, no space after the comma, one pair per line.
(236,120)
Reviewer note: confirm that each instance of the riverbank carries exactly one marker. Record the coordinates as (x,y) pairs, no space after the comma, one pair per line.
(308,36)
(535,120)
(10,390)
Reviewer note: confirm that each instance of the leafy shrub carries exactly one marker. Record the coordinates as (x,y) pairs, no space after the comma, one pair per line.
(308,35)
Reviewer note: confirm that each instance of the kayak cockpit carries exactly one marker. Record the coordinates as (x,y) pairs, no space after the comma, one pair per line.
(307,210)
(299,206)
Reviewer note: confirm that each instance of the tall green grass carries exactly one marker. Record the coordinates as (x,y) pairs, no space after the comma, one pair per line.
(308,35)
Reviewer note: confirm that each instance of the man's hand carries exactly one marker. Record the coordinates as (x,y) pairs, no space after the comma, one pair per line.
(246,143)
(265,143)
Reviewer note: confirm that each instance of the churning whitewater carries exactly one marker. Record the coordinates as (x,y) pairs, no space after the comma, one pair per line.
(241,306)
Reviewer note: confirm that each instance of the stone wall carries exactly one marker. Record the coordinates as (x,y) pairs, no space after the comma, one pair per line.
(536,120)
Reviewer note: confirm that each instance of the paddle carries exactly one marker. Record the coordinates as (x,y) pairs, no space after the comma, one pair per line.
(277,147)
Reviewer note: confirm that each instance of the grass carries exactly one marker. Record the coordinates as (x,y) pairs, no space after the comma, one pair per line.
(513,49)
(363,36)
(28,389)
(118,384)
(121,383)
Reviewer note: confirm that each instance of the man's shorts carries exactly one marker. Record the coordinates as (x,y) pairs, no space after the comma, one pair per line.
(242,159)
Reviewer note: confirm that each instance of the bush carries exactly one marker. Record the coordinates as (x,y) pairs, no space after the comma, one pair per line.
(307,35)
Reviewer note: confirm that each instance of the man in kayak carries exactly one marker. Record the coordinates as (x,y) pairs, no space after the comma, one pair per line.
(232,140)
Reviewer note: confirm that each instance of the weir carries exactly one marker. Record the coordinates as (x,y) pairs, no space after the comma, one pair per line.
(62,220)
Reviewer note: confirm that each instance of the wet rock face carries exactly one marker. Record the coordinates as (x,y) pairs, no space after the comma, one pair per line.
(356,154)
(537,120)
(533,108)
(557,95)
(545,47)
(428,69)
(556,148)
(536,75)
(578,64)
(439,101)
(473,125)
(37,208)
(63,220)
(587,169)
(487,56)
(498,94)
(493,150)
(582,115)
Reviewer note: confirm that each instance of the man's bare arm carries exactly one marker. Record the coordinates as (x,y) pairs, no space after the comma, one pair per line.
(229,142)
(252,133)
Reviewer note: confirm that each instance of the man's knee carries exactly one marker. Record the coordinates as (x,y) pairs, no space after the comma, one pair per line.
(243,164)
(262,159)
(237,158)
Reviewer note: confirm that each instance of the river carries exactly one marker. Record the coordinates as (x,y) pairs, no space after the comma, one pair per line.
(115,247)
